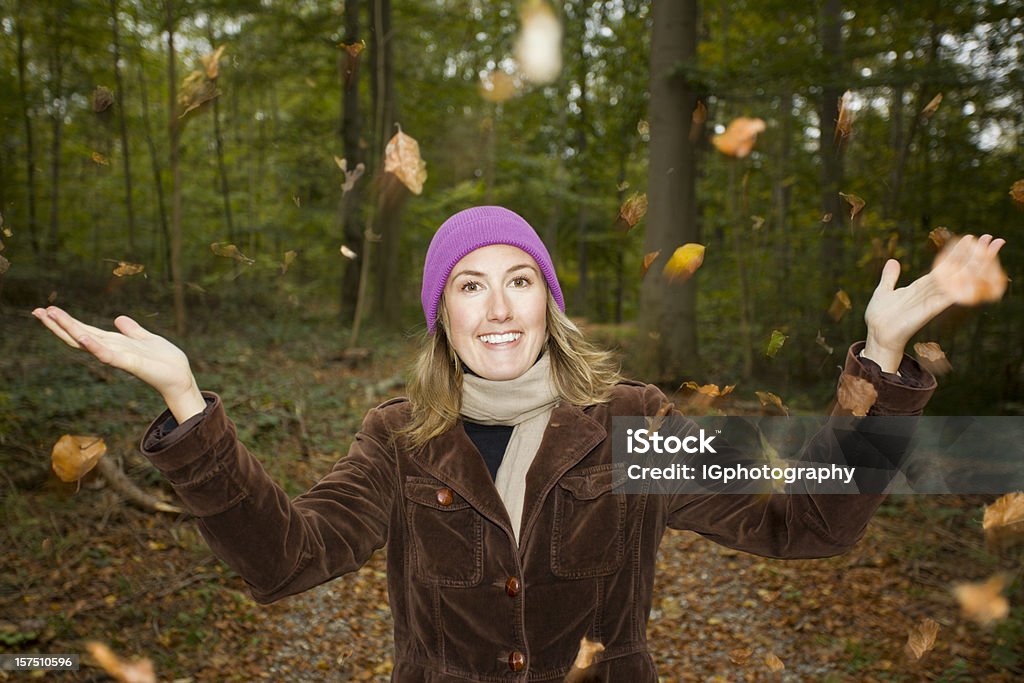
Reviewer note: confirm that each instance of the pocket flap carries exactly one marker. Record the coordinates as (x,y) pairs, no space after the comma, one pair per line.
(590,485)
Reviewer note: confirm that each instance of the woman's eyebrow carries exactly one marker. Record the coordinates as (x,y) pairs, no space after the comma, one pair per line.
(477,273)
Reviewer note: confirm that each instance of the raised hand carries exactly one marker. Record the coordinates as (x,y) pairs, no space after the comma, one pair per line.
(967,272)
(148,356)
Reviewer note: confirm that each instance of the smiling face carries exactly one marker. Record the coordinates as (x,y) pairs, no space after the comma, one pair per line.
(496,302)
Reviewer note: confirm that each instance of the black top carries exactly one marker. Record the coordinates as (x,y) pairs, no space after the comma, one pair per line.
(491,441)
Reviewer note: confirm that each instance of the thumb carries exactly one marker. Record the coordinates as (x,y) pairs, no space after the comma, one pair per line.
(129,327)
(890,274)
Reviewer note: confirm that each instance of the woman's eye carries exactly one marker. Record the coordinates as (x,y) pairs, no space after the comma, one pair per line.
(521,281)
(471,287)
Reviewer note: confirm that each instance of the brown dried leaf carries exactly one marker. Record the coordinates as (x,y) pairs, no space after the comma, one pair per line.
(932,358)
(969,283)
(125,269)
(684,262)
(855,202)
(826,217)
(739,656)
(230,251)
(498,86)
(402,158)
(655,421)
(697,119)
(940,236)
(139,671)
(773,663)
(739,137)
(767,398)
(73,456)
(921,638)
(99,159)
(983,602)
(708,389)
(1004,521)
(211,63)
(587,652)
(1017,192)
(856,394)
(633,209)
(196,90)
(538,48)
(355,49)
(648,260)
(102,99)
(932,106)
(844,124)
(840,305)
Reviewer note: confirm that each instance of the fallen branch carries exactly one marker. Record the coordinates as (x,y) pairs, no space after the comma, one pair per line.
(121,484)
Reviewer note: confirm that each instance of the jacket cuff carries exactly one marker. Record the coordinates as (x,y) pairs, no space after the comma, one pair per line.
(905,394)
(182,452)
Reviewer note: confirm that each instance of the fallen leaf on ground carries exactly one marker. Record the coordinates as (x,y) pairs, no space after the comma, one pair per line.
(840,305)
(402,158)
(230,251)
(633,209)
(856,394)
(855,202)
(139,671)
(775,343)
(739,656)
(1004,521)
(921,638)
(73,457)
(932,106)
(684,262)
(538,47)
(932,358)
(983,602)
(739,137)
(648,260)
(125,269)
(773,663)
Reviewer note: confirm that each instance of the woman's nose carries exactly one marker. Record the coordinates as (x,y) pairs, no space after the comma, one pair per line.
(499,308)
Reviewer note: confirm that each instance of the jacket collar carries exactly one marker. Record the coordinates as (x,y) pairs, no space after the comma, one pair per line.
(453,459)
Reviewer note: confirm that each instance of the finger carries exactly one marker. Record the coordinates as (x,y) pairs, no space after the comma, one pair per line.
(74,327)
(103,353)
(995,246)
(890,275)
(56,329)
(979,254)
(130,328)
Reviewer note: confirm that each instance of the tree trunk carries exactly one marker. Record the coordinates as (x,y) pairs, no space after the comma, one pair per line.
(30,151)
(668,311)
(158,184)
(350,204)
(582,187)
(174,135)
(221,167)
(123,118)
(831,36)
(57,105)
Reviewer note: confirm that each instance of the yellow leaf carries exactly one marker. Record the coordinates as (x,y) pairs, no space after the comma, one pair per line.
(983,602)
(355,49)
(538,48)
(125,269)
(825,218)
(73,456)
(921,638)
(775,343)
(211,63)
(855,202)
(684,262)
(289,257)
(402,158)
(633,209)
(739,137)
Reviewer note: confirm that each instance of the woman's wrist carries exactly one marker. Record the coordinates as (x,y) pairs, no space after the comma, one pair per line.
(888,357)
(187,404)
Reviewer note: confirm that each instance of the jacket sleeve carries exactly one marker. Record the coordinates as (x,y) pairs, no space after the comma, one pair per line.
(814,525)
(279,546)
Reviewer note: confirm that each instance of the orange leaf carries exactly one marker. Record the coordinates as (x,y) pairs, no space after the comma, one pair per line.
(969,282)
(100,159)
(708,389)
(844,124)
(648,260)
(73,456)
(739,137)
(1004,520)
(840,305)
(739,656)
(140,671)
(773,663)
(939,236)
(684,262)
(230,251)
(855,394)
(697,119)
(921,638)
(932,358)
(932,106)
(633,209)
(124,269)
(983,602)
(1017,192)
(402,157)
(538,47)
(855,202)
(355,49)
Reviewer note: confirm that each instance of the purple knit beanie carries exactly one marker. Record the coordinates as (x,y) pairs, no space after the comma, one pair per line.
(471,229)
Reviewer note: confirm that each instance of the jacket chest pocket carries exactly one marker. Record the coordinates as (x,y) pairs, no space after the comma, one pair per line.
(588,534)
(445,534)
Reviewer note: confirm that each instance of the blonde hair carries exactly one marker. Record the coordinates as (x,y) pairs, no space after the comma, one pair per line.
(583,374)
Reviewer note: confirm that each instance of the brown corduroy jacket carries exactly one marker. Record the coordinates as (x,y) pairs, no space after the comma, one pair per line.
(469,604)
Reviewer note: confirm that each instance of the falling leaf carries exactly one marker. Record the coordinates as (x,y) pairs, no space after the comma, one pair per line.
(296,201)
(195,91)
(648,260)
(230,251)
(767,398)
(4,265)
(773,663)
(139,671)
(940,236)
(289,257)
(758,222)
(102,99)
(52,297)
(983,602)
(498,86)
(623,186)
(840,305)
(351,177)
(825,218)
(402,157)
(697,119)
(1017,192)
(740,656)
(1004,521)
(844,124)
(211,63)
(684,262)
(100,159)
(2,245)
(708,389)
(855,202)
(587,652)
(775,343)
(643,127)
(932,358)
(856,394)
(73,456)
(971,283)
(538,48)
(921,638)
(347,253)
(633,209)
(654,422)
(820,341)
(355,49)
(739,137)
(124,269)
(932,106)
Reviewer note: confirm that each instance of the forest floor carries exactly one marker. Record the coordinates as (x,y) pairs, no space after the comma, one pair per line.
(80,564)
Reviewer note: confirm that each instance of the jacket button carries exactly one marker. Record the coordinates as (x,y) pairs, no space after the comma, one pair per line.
(512,586)
(444,496)
(517,661)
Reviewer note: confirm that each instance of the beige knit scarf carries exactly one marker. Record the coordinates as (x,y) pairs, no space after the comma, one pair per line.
(526,403)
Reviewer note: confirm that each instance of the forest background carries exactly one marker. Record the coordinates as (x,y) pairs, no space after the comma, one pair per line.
(124,142)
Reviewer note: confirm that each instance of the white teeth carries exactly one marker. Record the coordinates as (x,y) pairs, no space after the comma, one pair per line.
(500,338)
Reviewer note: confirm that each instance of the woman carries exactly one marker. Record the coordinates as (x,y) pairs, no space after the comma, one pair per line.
(491,484)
